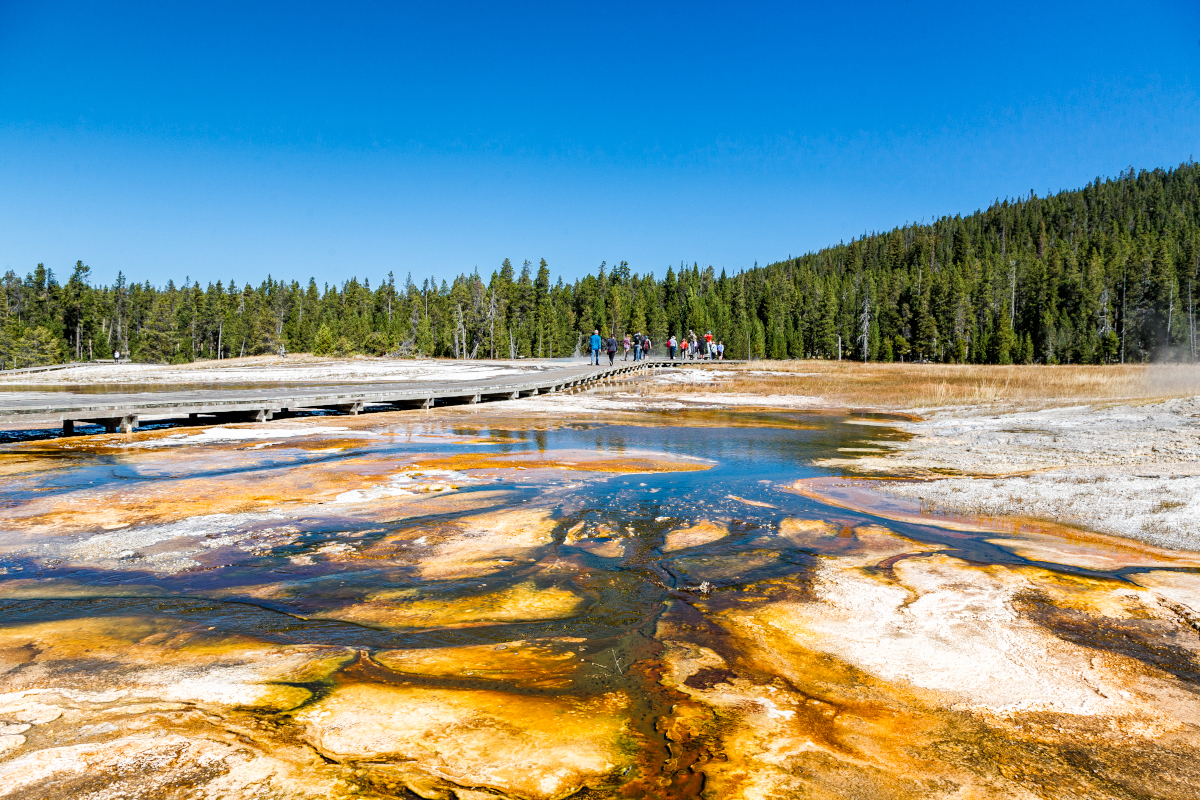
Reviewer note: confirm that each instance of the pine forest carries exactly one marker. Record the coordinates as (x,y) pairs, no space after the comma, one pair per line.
(1103,274)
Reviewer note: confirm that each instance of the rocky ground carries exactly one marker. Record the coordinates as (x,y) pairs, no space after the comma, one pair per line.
(1127,470)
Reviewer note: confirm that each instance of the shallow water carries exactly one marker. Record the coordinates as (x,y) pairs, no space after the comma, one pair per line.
(741,462)
(649,588)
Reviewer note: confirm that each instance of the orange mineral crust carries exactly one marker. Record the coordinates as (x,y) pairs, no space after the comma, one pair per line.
(469,605)
(261,485)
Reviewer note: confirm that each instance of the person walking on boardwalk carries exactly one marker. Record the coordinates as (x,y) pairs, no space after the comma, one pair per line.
(628,344)
(637,347)
(645,347)
(595,346)
(708,346)
(612,349)
(671,345)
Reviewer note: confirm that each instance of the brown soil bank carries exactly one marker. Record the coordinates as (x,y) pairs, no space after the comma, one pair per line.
(925,386)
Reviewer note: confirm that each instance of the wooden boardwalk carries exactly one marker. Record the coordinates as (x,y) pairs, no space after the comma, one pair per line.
(122,411)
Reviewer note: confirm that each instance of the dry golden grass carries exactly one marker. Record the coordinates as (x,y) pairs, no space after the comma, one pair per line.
(848,383)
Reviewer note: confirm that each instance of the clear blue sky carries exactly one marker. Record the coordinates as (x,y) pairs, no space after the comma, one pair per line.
(223,141)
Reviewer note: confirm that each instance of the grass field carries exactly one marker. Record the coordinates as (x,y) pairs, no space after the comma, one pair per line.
(854,384)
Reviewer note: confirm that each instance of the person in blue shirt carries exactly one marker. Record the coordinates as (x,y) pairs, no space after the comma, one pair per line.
(595,345)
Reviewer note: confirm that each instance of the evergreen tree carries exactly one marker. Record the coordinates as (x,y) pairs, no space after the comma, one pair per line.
(323,345)
(1002,341)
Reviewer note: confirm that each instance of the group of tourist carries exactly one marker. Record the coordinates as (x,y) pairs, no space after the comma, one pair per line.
(690,346)
(693,346)
(638,342)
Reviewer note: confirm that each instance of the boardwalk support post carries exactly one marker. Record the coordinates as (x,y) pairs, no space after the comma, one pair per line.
(124,424)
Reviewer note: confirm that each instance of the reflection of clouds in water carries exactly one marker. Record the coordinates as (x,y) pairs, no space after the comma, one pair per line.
(146,547)
(112,544)
(220,435)
(410,482)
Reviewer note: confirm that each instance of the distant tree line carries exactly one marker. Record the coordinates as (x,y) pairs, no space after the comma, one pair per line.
(1103,274)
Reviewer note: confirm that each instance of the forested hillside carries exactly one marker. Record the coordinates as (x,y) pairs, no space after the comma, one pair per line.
(1102,274)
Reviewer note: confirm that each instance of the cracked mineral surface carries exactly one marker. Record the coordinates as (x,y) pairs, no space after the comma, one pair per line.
(471,603)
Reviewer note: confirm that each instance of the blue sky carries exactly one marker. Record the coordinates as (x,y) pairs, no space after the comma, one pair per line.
(229,141)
